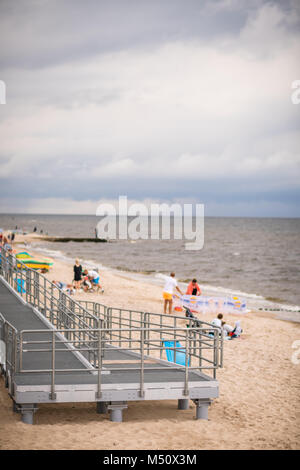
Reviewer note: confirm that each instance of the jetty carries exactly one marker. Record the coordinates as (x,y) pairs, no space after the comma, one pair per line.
(71,239)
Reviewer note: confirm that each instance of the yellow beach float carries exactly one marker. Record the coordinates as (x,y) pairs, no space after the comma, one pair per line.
(34,263)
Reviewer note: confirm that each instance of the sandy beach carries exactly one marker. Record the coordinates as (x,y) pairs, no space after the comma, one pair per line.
(258,407)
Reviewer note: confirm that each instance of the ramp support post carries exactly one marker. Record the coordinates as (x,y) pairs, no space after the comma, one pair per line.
(202,408)
(101,407)
(27,411)
(15,407)
(116,410)
(183,404)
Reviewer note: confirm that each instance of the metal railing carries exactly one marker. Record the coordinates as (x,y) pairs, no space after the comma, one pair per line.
(133,345)
(118,319)
(9,336)
(94,330)
(56,306)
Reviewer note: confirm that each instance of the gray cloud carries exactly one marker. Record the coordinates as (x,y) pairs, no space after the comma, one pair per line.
(152,99)
(52,32)
(39,33)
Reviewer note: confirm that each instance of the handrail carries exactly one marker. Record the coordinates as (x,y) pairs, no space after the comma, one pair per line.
(10,335)
(133,346)
(13,268)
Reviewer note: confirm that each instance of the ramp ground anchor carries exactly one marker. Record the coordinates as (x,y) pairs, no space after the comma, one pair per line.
(183,404)
(116,410)
(101,407)
(202,408)
(27,411)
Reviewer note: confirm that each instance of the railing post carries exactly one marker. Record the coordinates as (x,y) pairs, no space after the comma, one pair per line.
(120,326)
(36,290)
(148,332)
(51,304)
(160,339)
(216,352)
(45,298)
(175,338)
(15,352)
(221,350)
(142,391)
(200,333)
(21,352)
(53,394)
(187,353)
(99,393)
(6,346)
(26,285)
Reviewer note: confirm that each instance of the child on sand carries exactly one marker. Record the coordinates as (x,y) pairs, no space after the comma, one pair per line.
(68,288)
(170,284)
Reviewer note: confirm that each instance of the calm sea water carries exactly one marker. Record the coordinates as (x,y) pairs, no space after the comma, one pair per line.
(259,257)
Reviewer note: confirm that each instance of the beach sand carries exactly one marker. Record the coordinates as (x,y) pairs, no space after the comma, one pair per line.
(258,407)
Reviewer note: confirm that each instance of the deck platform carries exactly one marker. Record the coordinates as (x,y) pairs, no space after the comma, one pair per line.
(28,389)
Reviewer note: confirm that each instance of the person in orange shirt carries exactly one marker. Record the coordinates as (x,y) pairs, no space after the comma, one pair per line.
(193,288)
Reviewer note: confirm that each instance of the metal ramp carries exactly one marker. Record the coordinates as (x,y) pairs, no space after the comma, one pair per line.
(60,350)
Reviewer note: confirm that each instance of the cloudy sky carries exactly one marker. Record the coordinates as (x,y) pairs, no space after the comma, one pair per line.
(165,100)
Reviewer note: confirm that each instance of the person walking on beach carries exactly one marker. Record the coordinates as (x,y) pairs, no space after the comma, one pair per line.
(77,274)
(193,288)
(169,287)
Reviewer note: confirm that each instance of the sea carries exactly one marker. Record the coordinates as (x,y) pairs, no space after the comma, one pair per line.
(257,259)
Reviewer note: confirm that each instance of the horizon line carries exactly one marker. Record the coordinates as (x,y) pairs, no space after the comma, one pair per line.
(171,215)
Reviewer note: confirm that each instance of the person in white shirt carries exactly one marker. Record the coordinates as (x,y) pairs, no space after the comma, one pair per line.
(168,291)
(218,321)
(94,278)
(93,275)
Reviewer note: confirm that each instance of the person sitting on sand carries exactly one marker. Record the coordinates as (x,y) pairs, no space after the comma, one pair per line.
(218,321)
(94,278)
(86,284)
(231,332)
(170,284)
(237,330)
(77,274)
(68,288)
(226,328)
(193,288)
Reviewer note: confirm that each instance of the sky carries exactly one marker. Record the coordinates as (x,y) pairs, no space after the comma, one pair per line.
(165,101)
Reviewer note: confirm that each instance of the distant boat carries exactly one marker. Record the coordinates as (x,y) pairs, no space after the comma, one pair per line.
(34,263)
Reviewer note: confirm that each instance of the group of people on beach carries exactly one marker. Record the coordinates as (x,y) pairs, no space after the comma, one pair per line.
(228,331)
(6,240)
(193,288)
(169,287)
(86,279)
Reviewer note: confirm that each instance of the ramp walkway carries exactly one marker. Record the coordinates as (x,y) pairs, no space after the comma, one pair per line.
(59,350)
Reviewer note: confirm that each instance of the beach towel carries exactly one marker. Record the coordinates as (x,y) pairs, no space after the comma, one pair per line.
(180,353)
